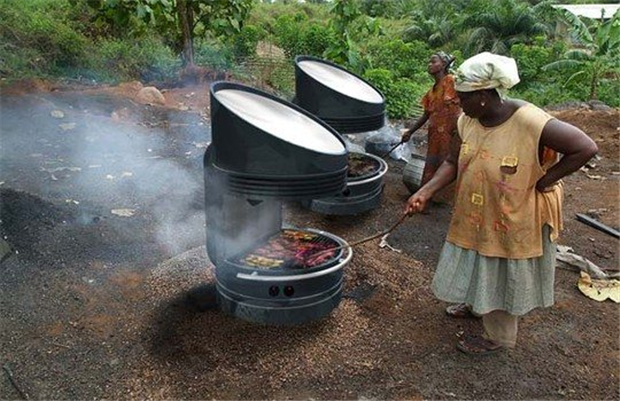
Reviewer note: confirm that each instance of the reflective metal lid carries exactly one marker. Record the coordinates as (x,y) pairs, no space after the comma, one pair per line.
(283,122)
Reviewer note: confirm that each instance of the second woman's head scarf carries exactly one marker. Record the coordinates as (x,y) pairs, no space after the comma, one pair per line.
(487,71)
(446,58)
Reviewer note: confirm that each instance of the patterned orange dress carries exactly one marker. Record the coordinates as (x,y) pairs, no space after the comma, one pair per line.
(443,108)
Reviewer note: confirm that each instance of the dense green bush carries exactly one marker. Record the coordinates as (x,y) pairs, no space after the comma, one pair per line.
(545,94)
(400,72)
(48,38)
(244,43)
(146,59)
(547,88)
(266,15)
(60,38)
(296,35)
(37,39)
(531,58)
(403,59)
(213,54)
(609,92)
(282,80)
(401,93)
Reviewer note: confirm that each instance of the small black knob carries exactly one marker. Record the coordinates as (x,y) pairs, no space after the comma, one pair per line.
(274,290)
(289,291)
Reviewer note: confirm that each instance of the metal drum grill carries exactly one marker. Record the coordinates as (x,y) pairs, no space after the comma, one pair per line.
(348,104)
(266,273)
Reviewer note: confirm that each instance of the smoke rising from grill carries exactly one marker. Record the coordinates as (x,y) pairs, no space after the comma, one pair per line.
(101,153)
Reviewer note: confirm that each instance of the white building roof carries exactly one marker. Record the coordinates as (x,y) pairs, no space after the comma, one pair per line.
(591,10)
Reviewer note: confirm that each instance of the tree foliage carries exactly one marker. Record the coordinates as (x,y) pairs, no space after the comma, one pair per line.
(181,19)
(597,54)
(344,50)
(402,94)
(296,35)
(436,30)
(499,27)
(387,41)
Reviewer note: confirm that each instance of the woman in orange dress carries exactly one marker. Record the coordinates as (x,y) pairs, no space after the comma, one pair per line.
(441,110)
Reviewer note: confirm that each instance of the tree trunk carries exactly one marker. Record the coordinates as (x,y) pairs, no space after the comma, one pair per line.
(593,85)
(186,21)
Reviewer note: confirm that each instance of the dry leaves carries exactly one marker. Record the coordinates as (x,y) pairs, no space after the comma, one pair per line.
(67,126)
(599,290)
(123,212)
(57,114)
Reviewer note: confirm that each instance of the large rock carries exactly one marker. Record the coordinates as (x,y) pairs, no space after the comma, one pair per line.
(598,105)
(150,95)
(131,86)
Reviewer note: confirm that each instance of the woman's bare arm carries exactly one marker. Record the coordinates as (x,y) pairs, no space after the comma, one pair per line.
(416,125)
(445,175)
(577,148)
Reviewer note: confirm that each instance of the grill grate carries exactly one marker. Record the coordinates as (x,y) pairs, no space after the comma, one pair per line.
(291,249)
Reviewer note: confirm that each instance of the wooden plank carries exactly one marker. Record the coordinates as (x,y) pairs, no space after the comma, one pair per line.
(598,225)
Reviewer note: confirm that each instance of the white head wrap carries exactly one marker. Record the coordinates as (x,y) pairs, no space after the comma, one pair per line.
(487,71)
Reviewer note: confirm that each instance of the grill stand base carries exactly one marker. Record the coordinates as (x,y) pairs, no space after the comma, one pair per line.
(346,205)
(261,312)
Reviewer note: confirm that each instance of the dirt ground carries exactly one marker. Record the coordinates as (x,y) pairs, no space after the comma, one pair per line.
(106,296)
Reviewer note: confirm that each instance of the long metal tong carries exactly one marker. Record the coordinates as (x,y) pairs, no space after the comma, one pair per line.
(361,241)
(393,148)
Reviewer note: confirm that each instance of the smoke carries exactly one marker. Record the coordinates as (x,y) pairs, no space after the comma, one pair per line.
(106,152)
(235,223)
(381,141)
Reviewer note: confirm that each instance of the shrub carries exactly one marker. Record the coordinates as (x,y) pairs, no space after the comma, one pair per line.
(38,38)
(295,35)
(244,43)
(282,79)
(531,59)
(608,92)
(46,38)
(403,59)
(401,93)
(266,15)
(147,59)
(213,54)
(544,94)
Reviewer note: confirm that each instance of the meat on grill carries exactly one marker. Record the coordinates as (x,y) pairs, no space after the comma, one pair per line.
(291,249)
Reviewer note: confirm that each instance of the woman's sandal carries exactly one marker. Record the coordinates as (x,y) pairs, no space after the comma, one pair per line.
(477,345)
(461,311)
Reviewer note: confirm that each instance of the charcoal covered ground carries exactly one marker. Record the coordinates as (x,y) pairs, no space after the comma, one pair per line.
(94,305)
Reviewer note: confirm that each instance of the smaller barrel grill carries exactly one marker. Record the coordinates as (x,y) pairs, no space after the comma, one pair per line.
(363,191)
(265,151)
(350,105)
(342,99)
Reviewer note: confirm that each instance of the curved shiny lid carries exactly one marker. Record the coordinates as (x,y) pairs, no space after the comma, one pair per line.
(283,122)
(341,81)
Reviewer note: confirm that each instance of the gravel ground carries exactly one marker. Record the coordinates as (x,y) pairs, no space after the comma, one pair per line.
(97,305)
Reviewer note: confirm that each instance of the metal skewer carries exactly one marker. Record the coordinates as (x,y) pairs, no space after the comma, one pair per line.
(361,241)
(393,147)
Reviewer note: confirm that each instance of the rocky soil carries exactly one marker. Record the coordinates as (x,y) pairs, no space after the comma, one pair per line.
(108,292)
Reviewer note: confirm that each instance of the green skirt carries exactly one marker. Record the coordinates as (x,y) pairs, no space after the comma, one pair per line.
(488,283)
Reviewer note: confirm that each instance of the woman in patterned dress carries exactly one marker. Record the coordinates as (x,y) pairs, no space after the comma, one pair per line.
(498,261)
(441,110)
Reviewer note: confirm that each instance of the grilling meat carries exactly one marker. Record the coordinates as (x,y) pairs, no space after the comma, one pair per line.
(291,249)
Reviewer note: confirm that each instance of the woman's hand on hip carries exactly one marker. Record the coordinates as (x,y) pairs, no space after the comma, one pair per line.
(542,186)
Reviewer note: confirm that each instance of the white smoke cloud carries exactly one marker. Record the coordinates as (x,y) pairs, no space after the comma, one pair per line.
(74,146)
